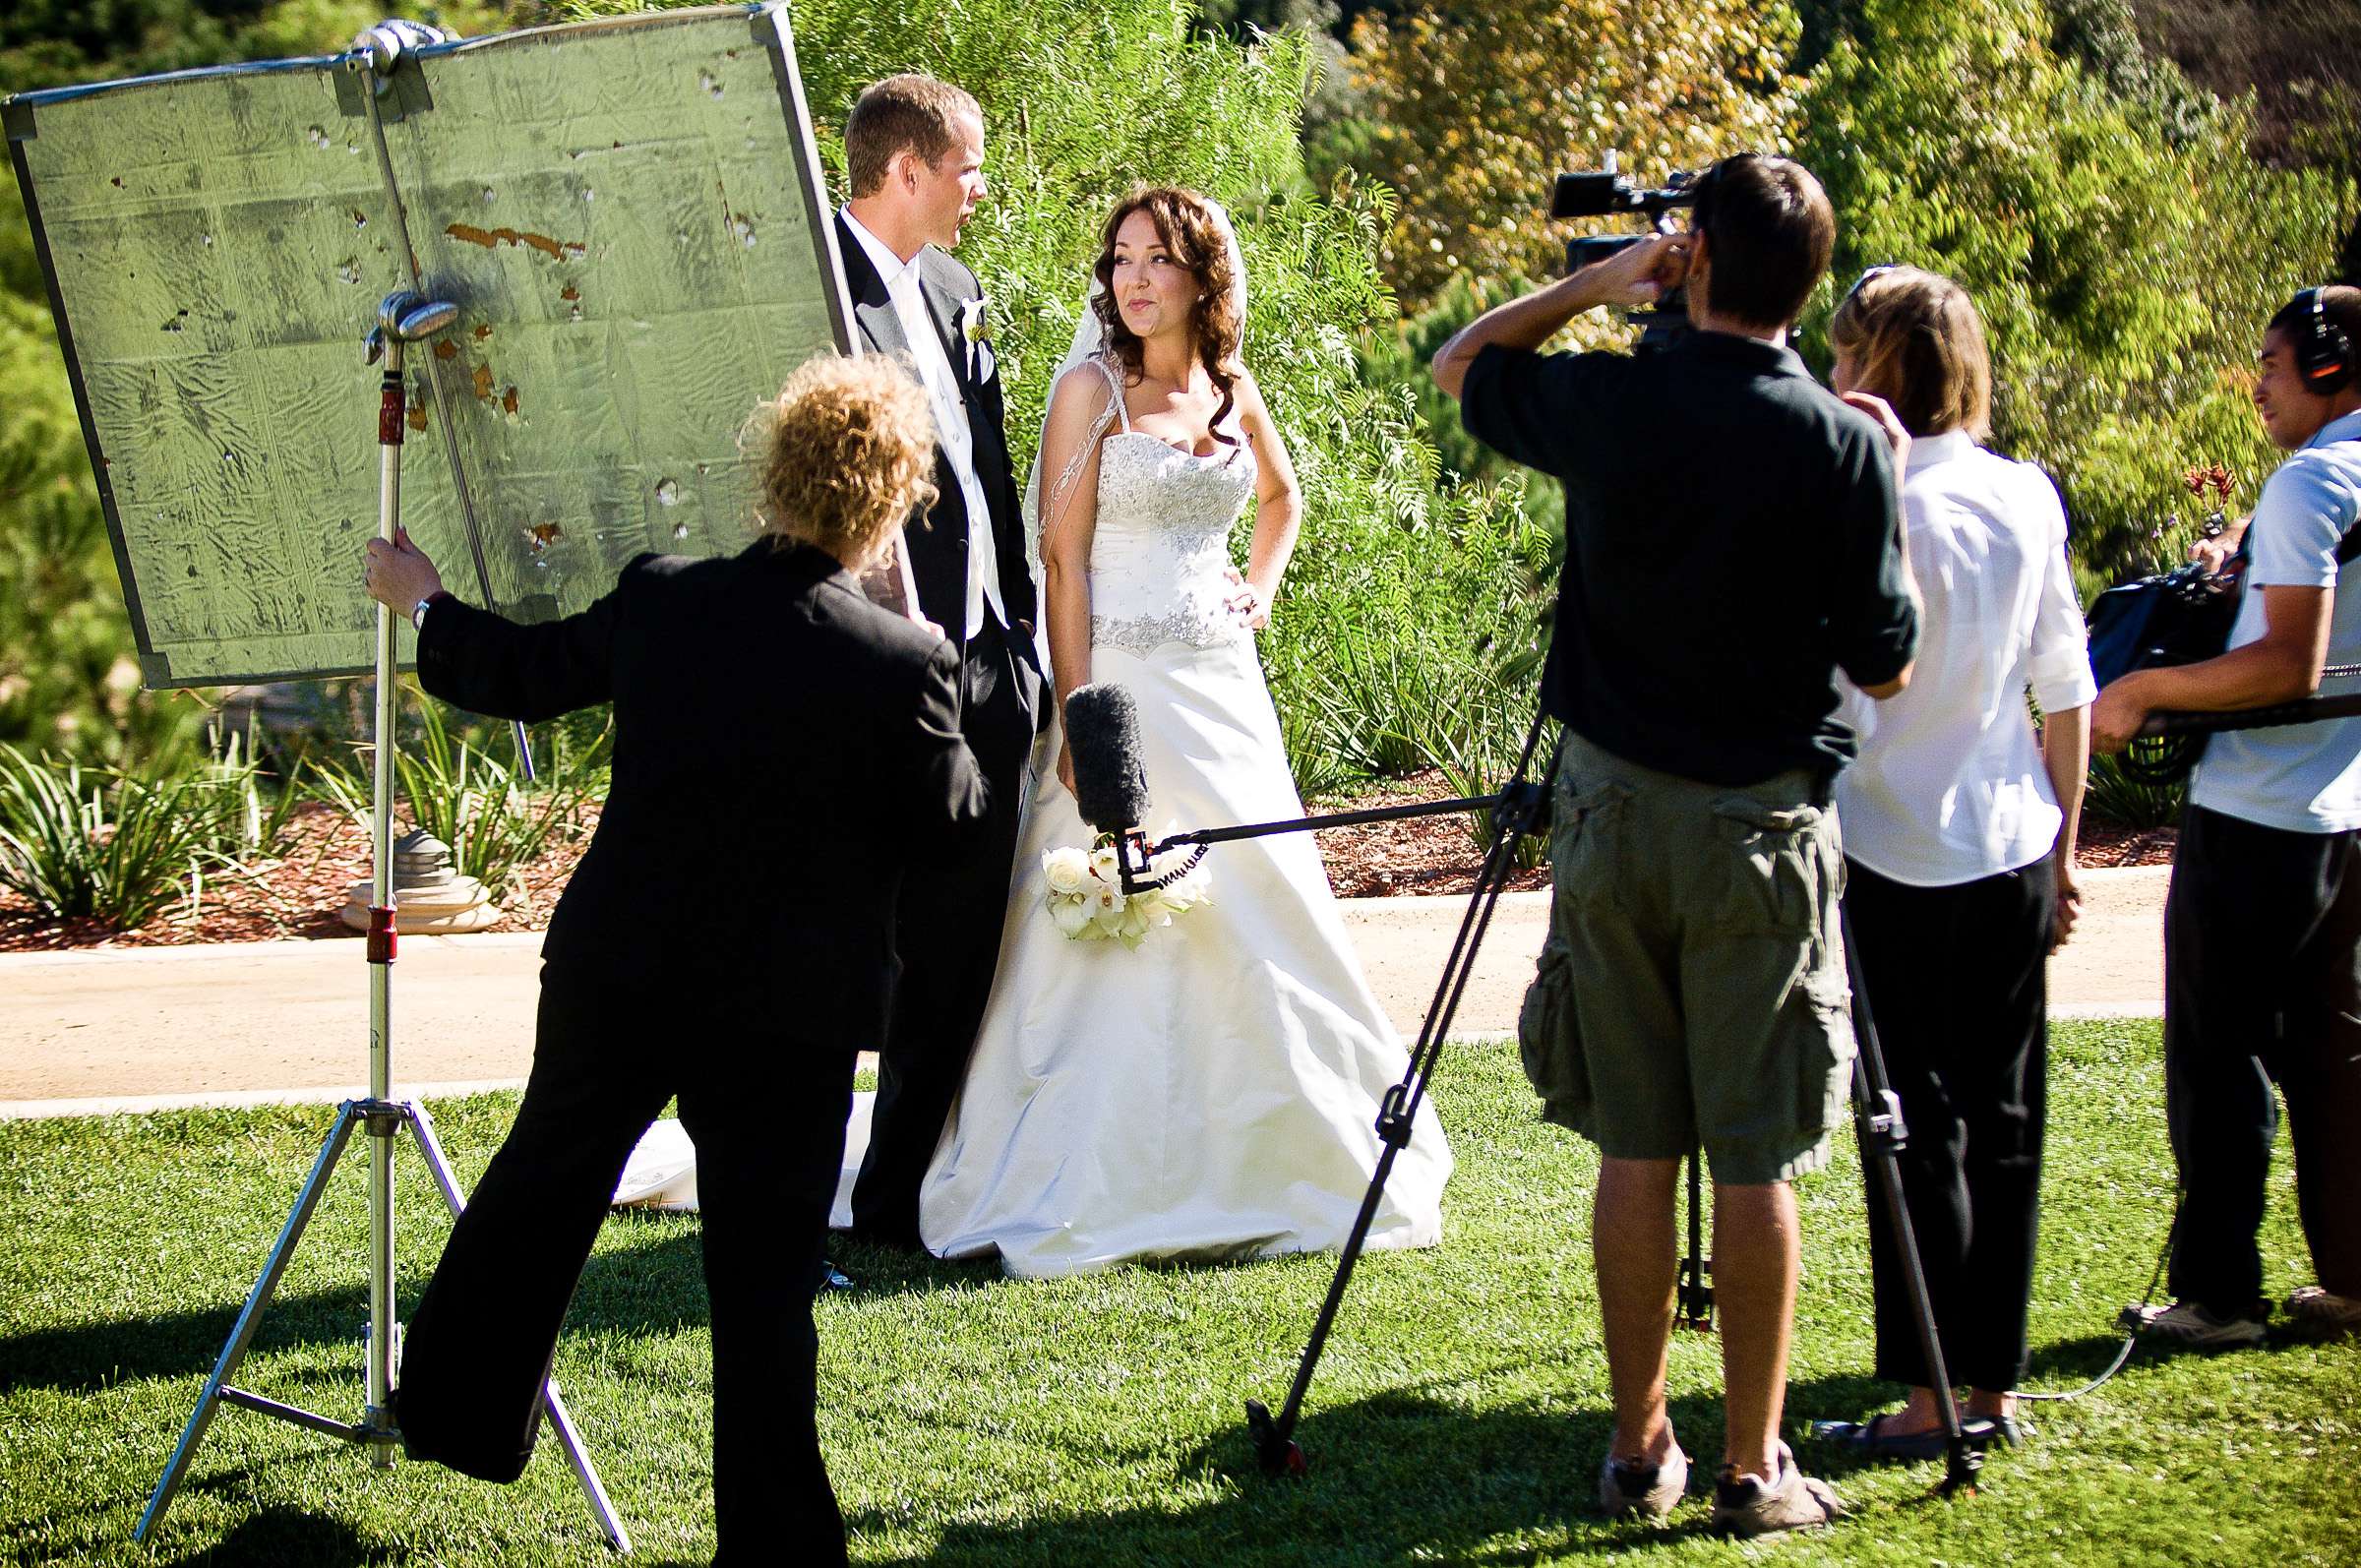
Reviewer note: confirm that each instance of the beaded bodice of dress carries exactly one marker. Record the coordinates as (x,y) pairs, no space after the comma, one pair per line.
(1159,548)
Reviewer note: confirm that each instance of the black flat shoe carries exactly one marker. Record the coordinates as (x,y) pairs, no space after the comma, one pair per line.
(1872,1439)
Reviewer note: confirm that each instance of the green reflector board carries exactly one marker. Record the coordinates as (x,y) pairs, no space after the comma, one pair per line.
(629,214)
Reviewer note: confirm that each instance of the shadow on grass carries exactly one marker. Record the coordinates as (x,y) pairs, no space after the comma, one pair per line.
(651,1286)
(2072,1363)
(289,1538)
(1401,1477)
(883,1271)
(81,1358)
(654,1288)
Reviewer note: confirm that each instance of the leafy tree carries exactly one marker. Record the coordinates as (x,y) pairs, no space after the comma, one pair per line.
(1325,27)
(2302,61)
(2124,260)
(1471,109)
(51,43)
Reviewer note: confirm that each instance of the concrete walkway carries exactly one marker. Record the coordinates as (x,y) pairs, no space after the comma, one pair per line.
(90,1032)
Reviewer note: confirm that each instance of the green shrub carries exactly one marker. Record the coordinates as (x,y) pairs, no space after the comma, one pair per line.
(453,785)
(1406,636)
(2116,796)
(81,842)
(1475,762)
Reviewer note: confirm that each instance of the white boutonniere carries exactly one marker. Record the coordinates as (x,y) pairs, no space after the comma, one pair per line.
(975,329)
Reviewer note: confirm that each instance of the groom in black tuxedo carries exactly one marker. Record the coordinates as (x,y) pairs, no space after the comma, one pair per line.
(786,751)
(914,148)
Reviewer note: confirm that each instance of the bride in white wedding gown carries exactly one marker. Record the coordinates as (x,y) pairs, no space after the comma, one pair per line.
(1213,1093)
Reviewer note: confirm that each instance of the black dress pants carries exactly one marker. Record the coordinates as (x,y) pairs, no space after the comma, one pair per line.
(2261,987)
(947,935)
(766,1110)
(1958,985)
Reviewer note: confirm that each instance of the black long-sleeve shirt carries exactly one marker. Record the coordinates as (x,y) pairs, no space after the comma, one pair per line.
(785,752)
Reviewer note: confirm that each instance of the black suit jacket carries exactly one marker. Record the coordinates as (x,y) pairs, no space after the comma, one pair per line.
(785,752)
(937,543)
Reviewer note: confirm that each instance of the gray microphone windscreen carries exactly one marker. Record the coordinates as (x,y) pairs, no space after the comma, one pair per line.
(1110,786)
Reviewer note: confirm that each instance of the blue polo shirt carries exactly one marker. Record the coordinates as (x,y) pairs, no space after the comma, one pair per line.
(2305,778)
(1730,544)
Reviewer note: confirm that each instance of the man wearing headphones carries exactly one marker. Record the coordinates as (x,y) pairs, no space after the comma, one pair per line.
(2263,925)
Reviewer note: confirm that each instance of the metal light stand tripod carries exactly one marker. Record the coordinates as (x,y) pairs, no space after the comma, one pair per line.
(1517,809)
(404,318)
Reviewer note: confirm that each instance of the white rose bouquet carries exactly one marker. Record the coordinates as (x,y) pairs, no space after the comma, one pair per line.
(1087,902)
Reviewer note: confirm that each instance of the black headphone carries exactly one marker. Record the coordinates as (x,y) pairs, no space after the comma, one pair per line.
(2323,355)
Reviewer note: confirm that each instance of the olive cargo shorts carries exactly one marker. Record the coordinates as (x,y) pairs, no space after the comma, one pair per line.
(1692,989)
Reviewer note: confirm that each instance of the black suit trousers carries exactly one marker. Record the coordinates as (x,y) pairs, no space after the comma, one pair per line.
(1958,985)
(766,1110)
(2262,987)
(947,935)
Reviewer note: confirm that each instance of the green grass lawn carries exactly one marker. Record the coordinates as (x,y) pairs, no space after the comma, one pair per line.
(1459,1414)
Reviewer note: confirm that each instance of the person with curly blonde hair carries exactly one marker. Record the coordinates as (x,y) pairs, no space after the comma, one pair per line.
(785,751)
(850,457)
(1213,1095)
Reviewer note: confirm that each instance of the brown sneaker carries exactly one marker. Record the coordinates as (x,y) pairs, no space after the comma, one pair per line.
(2320,1314)
(1748,1505)
(2195,1327)
(1633,1488)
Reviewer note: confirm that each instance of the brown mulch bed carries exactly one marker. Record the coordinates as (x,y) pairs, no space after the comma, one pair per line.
(1439,854)
(2103,843)
(298,894)
(1415,854)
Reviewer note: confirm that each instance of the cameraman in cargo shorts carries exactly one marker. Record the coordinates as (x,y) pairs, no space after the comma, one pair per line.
(1730,544)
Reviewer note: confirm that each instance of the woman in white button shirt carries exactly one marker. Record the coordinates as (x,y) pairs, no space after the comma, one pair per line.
(1959,823)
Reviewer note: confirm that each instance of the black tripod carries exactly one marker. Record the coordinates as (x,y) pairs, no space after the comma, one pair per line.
(1882,1134)
(1517,809)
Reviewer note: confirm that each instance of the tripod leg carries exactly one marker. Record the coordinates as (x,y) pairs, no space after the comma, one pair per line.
(241,1333)
(1696,1304)
(1882,1133)
(422,1126)
(1274,1436)
(377,1416)
(561,1422)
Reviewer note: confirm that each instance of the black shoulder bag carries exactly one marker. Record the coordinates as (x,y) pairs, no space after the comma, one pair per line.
(2172,618)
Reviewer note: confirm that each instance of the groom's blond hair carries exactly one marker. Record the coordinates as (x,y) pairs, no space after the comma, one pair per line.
(908,113)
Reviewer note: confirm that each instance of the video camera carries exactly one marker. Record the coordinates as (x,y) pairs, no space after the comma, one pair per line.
(1605,193)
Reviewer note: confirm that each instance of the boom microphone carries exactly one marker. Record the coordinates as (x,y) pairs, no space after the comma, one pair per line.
(1111,787)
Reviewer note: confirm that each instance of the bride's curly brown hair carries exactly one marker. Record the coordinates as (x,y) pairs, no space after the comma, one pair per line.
(1191,230)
